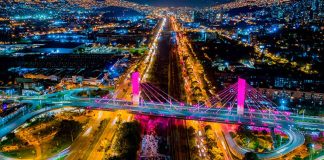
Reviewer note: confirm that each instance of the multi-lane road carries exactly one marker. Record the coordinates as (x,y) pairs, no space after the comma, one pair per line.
(296,139)
(175,110)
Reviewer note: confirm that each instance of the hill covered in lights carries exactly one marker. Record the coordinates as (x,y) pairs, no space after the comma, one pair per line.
(119,13)
(181,3)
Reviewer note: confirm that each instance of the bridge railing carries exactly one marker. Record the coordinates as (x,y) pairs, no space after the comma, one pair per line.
(7,118)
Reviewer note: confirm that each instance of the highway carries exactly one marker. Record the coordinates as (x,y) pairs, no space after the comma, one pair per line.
(296,139)
(189,69)
(177,111)
(12,125)
(81,145)
(181,111)
(98,149)
(163,74)
(221,142)
(97,152)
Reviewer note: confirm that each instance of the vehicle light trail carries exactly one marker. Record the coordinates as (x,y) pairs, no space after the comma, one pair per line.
(149,58)
(86,133)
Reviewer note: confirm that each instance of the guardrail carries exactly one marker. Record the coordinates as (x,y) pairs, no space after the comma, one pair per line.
(13,115)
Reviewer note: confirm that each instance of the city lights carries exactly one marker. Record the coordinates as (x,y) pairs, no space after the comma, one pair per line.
(162,79)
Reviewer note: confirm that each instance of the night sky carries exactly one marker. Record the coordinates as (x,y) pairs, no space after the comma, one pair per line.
(177,3)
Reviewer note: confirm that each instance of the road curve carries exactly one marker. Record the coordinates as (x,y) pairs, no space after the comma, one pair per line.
(296,139)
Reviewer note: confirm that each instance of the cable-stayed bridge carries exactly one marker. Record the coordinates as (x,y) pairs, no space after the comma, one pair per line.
(240,103)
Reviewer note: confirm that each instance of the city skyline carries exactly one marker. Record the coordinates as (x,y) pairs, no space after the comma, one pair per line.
(181,3)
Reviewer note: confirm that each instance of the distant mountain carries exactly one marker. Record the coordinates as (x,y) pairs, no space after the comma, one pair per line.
(181,3)
(118,12)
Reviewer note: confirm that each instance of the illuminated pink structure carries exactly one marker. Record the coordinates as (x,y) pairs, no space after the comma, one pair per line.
(135,87)
(241,96)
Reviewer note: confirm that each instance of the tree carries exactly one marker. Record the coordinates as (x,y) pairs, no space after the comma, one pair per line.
(297,157)
(68,130)
(250,156)
(38,107)
(128,140)
(264,132)
(216,152)
(210,139)
(256,145)
(208,127)
(191,132)
(308,139)
(11,135)
(244,132)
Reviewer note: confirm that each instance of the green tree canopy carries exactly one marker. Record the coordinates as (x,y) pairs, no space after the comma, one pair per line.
(251,156)
(128,140)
